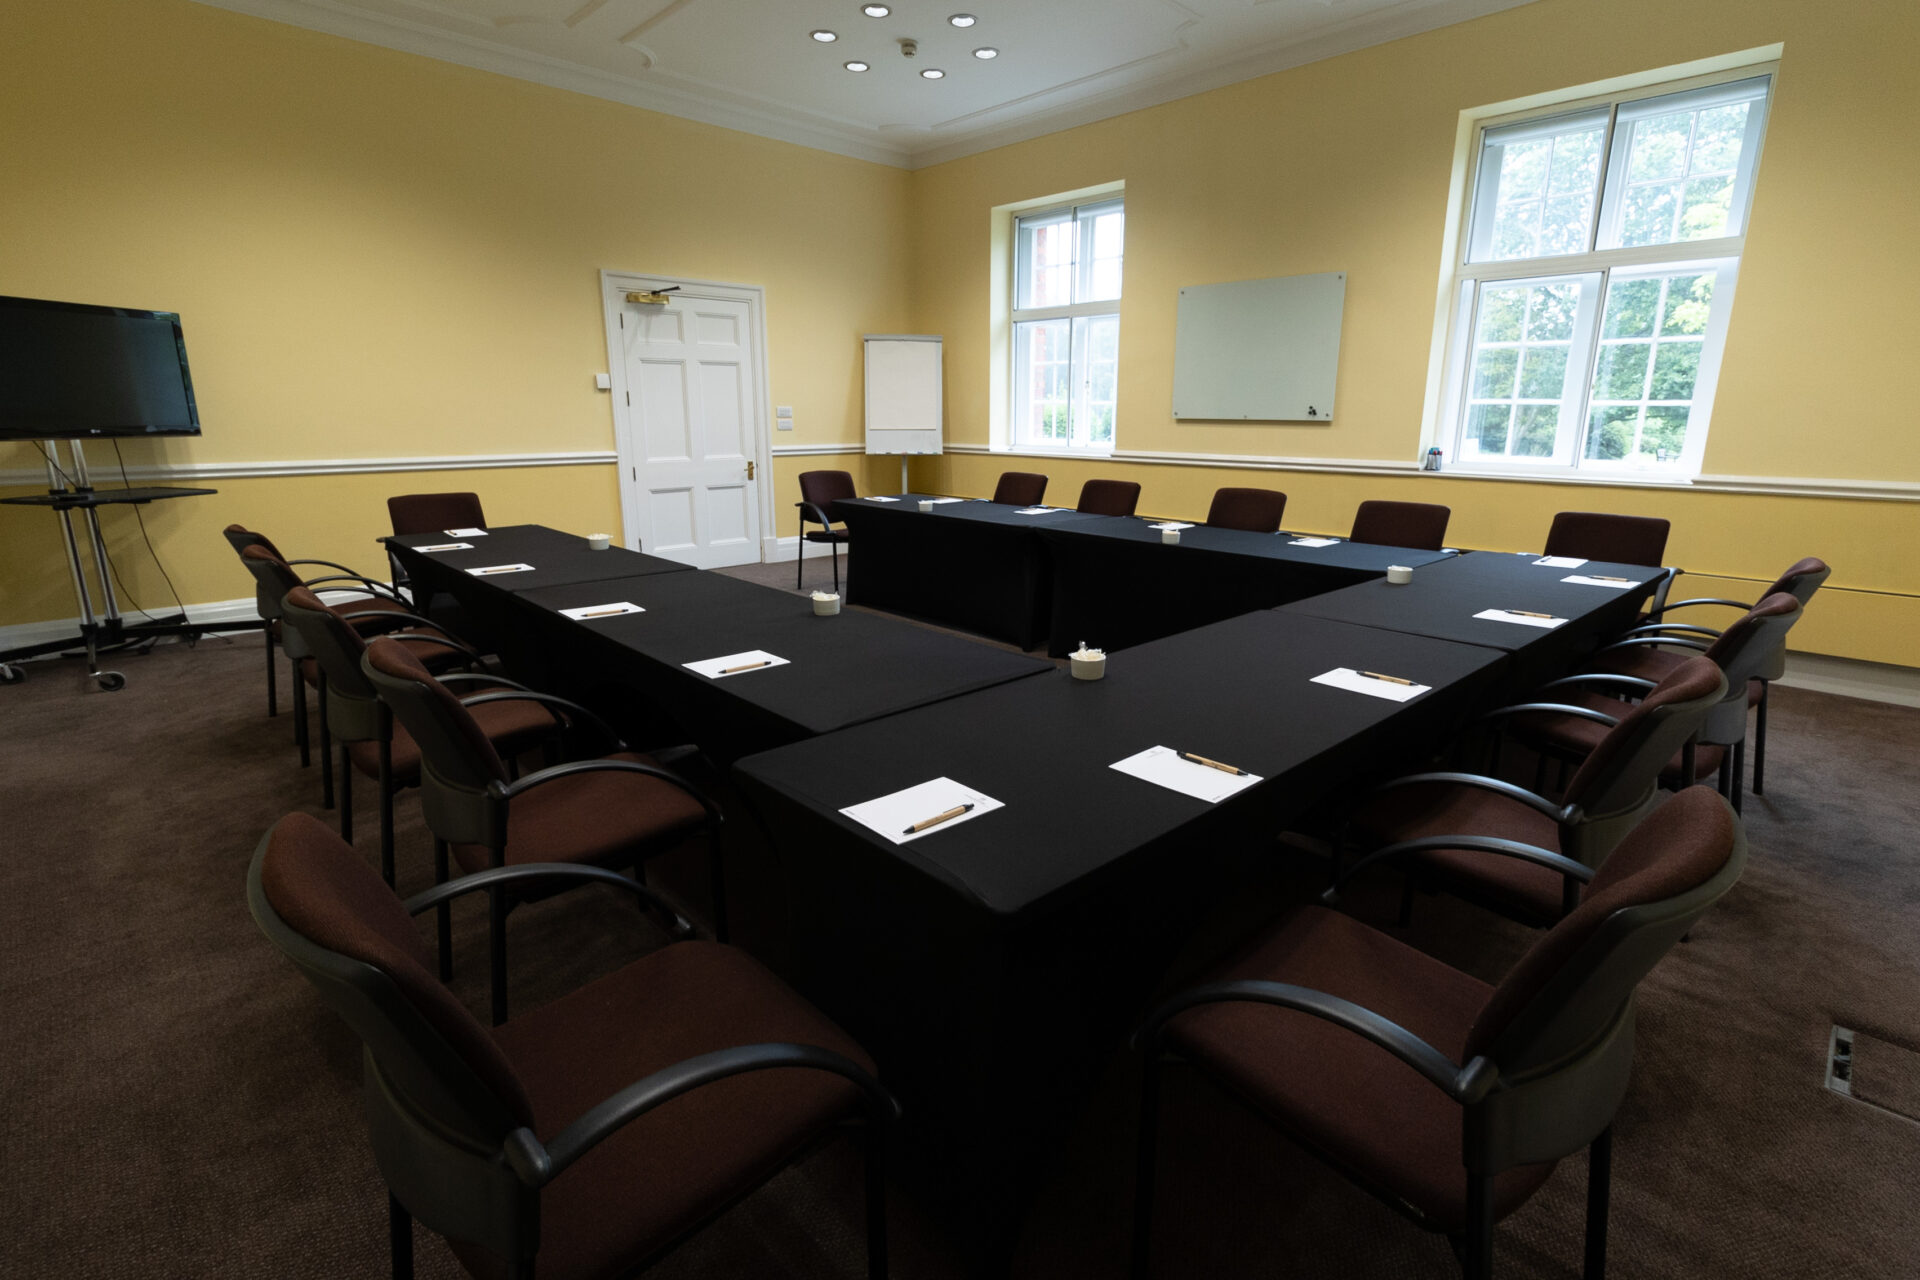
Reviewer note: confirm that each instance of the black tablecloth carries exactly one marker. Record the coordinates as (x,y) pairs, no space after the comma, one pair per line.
(1116,584)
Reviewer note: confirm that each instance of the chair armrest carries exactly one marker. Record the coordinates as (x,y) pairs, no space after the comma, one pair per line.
(330,564)
(818,517)
(508,790)
(1648,642)
(537,1164)
(483,880)
(1464,1084)
(1553,708)
(1479,844)
(1500,786)
(439,640)
(1603,678)
(1662,628)
(550,700)
(372,587)
(1665,609)
(478,677)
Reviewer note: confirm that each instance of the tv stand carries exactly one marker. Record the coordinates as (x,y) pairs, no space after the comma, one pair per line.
(107,631)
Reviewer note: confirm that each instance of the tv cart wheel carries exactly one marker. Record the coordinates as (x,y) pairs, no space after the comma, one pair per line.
(111,681)
(11,675)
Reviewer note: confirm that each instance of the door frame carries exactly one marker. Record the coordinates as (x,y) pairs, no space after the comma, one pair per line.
(613,286)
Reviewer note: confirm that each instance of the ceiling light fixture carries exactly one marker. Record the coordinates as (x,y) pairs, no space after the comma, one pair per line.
(933,73)
(986,54)
(963,19)
(875,10)
(825,37)
(856,66)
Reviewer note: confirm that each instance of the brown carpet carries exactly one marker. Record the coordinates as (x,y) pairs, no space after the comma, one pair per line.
(178,1103)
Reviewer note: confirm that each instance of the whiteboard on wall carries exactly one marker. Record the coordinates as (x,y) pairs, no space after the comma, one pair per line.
(1259,350)
(903,393)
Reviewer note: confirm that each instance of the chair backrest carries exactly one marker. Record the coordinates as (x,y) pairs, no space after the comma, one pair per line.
(1420,525)
(1109,497)
(333,642)
(1256,510)
(239,537)
(441,1096)
(435,512)
(1802,580)
(1754,645)
(273,578)
(824,488)
(1623,769)
(1600,535)
(1559,1026)
(1020,489)
(455,753)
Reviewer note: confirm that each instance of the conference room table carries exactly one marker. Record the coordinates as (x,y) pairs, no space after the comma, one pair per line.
(991,964)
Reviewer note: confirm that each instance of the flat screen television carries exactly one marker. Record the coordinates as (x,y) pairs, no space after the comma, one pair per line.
(69,371)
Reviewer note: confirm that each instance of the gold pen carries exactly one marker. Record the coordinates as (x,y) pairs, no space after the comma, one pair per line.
(1375,675)
(1211,764)
(1526,613)
(727,671)
(1602,577)
(937,819)
(605,613)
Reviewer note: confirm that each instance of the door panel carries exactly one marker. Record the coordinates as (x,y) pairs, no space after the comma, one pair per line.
(723,393)
(662,393)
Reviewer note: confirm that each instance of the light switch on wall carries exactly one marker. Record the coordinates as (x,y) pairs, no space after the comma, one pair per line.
(783,417)
(604,381)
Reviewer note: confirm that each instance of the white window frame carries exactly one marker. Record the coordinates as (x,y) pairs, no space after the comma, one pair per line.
(1079,440)
(1596,267)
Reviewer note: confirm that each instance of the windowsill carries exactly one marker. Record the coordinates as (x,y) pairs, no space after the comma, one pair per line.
(1046,451)
(1563,475)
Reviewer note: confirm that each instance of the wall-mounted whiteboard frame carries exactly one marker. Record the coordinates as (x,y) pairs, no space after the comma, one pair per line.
(905,393)
(1259,350)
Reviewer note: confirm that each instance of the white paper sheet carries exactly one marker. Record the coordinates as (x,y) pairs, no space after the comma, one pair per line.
(1164,767)
(612,609)
(716,668)
(486,571)
(447,546)
(937,501)
(1503,615)
(883,499)
(1582,580)
(1357,682)
(1038,511)
(1172,524)
(1311,542)
(465,533)
(892,815)
(1560,562)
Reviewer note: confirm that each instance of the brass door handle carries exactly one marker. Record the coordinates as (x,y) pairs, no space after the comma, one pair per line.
(750,471)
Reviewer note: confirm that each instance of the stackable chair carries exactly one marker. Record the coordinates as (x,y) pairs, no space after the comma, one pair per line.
(1801,582)
(370,742)
(1255,510)
(591,1136)
(1449,1099)
(1419,525)
(1498,844)
(1108,497)
(1020,489)
(615,811)
(431,513)
(819,490)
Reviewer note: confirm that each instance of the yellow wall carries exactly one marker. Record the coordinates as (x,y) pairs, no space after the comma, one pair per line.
(1346,165)
(381,255)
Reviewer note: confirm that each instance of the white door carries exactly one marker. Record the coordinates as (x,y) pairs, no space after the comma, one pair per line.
(690,427)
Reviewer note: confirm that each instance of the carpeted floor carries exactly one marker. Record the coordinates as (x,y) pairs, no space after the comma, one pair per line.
(178,1103)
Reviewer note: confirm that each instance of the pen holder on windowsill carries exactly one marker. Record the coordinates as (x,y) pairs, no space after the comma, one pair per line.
(1087,664)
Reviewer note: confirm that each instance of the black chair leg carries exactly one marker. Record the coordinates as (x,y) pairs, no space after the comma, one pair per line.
(1145,1155)
(497,952)
(1599,1189)
(876,1139)
(835,548)
(1478,1262)
(386,810)
(1739,778)
(299,689)
(273,672)
(800,559)
(443,914)
(346,796)
(326,747)
(1760,740)
(400,1238)
(1724,784)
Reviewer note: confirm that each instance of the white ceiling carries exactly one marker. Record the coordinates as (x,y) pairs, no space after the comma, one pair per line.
(750,64)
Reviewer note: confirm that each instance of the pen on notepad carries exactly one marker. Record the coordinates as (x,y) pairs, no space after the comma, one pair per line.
(1526,613)
(1601,577)
(1211,764)
(1375,675)
(937,819)
(605,613)
(727,671)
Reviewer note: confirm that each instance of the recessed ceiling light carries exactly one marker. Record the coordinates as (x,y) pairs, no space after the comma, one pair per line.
(986,54)
(856,66)
(933,73)
(825,37)
(875,10)
(963,19)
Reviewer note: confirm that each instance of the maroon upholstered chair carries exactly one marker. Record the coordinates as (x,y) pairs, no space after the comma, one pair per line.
(352,713)
(1020,489)
(1109,497)
(593,1134)
(1600,535)
(1255,510)
(435,512)
(1420,525)
(819,490)
(1448,1098)
(1476,836)
(614,811)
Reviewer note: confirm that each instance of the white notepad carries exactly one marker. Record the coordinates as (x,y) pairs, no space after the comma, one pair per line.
(1507,615)
(465,533)
(937,501)
(487,570)
(1171,524)
(1560,562)
(883,499)
(1356,682)
(447,546)
(1038,511)
(1582,580)
(1311,542)
(613,609)
(1164,767)
(892,815)
(753,660)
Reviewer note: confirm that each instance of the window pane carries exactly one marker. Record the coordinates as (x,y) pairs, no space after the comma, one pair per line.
(1648,366)
(1105,236)
(1535,426)
(1540,198)
(1043,355)
(1523,342)
(1681,167)
(1487,430)
(1102,377)
(1047,280)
